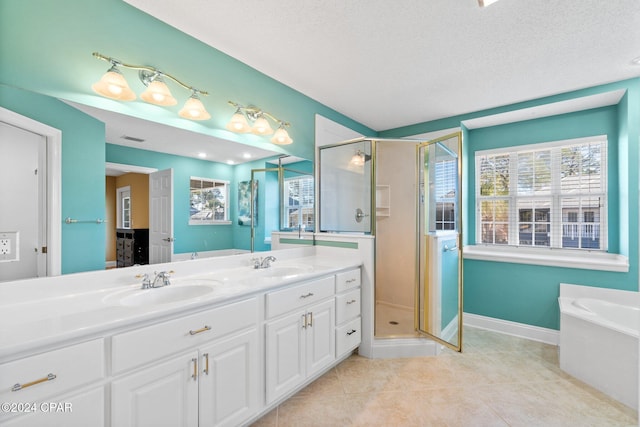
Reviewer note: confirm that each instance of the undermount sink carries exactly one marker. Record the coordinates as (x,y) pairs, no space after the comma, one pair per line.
(163,295)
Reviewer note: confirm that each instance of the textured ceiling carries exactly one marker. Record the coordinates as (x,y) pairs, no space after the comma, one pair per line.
(389,64)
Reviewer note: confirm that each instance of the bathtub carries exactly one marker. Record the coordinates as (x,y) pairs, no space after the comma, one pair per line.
(599,331)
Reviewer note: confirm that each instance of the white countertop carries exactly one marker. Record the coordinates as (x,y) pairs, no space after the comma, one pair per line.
(49,311)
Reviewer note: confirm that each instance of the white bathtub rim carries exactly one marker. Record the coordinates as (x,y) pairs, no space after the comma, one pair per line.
(571,295)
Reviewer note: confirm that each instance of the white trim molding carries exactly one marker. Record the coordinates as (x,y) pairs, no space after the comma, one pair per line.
(522,330)
(566,258)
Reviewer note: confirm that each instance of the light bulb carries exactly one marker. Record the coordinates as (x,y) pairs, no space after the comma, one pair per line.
(113,85)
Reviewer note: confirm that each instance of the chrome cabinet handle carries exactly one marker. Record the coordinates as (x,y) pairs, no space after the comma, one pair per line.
(351,302)
(350,280)
(195,369)
(310,319)
(310,294)
(304,321)
(351,332)
(19,386)
(206,363)
(197,331)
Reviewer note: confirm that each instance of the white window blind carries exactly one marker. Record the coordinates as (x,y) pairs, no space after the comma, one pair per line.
(543,195)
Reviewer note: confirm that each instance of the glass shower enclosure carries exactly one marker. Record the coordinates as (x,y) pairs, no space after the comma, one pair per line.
(407,194)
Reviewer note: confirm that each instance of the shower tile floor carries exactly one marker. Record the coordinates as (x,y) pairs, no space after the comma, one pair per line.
(498,381)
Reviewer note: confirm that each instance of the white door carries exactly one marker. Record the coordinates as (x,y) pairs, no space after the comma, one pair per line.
(165,395)
(229,380)
(23,200)
(160,216)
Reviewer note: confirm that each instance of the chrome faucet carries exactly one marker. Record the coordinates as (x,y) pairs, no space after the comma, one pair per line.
(266,262)
(163,276)
(263,262)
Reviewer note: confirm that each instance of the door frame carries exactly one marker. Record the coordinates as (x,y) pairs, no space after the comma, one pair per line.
(53,209)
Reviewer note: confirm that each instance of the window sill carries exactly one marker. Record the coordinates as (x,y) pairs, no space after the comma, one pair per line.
(549,257)
(209,222)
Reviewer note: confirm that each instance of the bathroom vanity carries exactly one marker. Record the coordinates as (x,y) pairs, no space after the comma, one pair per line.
(221,345)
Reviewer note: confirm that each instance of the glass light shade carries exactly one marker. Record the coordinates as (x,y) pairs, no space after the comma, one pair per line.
(357,159)
(158,93)
(281,137)
(239,123)
(261,127)
(113,85)
(194,109)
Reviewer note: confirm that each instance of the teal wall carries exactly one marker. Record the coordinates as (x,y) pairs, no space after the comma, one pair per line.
(83,244)
(528,293)
(46,47)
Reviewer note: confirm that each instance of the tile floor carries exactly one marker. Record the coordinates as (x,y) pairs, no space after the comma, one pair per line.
(498,381)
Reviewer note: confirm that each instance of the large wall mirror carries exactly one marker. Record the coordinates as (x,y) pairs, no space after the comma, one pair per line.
(107,208)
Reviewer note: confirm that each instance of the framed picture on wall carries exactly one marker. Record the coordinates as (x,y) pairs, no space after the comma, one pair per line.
(244,202)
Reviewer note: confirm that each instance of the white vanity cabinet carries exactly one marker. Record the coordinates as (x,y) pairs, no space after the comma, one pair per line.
(213,384)
(44,388)
(348,310)
(301,342)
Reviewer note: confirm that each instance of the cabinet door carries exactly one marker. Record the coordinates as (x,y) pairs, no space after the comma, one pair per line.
(229,380)
(164,395)
(285,367)
(320,339)
(86,409)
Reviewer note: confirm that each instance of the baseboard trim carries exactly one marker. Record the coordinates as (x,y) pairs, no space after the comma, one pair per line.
(388,348)
(535,333)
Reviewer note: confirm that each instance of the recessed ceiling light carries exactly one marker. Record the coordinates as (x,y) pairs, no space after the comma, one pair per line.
(230,162)
(246,155)
(202,155)
(485,3)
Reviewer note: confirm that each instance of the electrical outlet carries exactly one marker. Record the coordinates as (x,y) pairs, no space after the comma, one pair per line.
(5,246)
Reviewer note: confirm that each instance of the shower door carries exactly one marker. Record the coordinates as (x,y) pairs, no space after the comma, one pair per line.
(439,276)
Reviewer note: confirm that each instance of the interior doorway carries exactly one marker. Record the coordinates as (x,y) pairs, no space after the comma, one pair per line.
(30,226)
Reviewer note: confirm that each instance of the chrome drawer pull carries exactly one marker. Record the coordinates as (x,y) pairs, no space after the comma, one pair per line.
(351,302)
(19,386)
(197,331)
(353,331)
(310,294)
(350,281)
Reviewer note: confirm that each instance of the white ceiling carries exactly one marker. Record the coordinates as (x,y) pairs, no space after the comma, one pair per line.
(389,64)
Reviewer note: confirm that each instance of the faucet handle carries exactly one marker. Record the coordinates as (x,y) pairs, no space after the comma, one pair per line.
(256,262)
(146,282)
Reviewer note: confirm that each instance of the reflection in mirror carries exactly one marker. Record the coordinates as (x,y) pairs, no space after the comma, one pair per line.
(346,182)
(93,139)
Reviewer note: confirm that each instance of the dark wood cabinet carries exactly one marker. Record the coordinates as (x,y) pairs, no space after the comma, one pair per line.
(132,246)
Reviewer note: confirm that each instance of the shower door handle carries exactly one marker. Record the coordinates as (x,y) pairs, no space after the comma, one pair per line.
(360,215)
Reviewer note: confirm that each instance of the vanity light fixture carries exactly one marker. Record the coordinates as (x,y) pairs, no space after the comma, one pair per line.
(113,85)
(253,119)
(359,158)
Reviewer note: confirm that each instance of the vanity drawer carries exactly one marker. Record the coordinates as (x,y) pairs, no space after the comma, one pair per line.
(347,280)
(52,373)
(154,342)
(295,297)
(347,305)
(348,336)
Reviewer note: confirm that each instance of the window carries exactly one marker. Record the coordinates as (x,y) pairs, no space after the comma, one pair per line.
(298,203)
(446,179)
(209,201)
(550,195)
